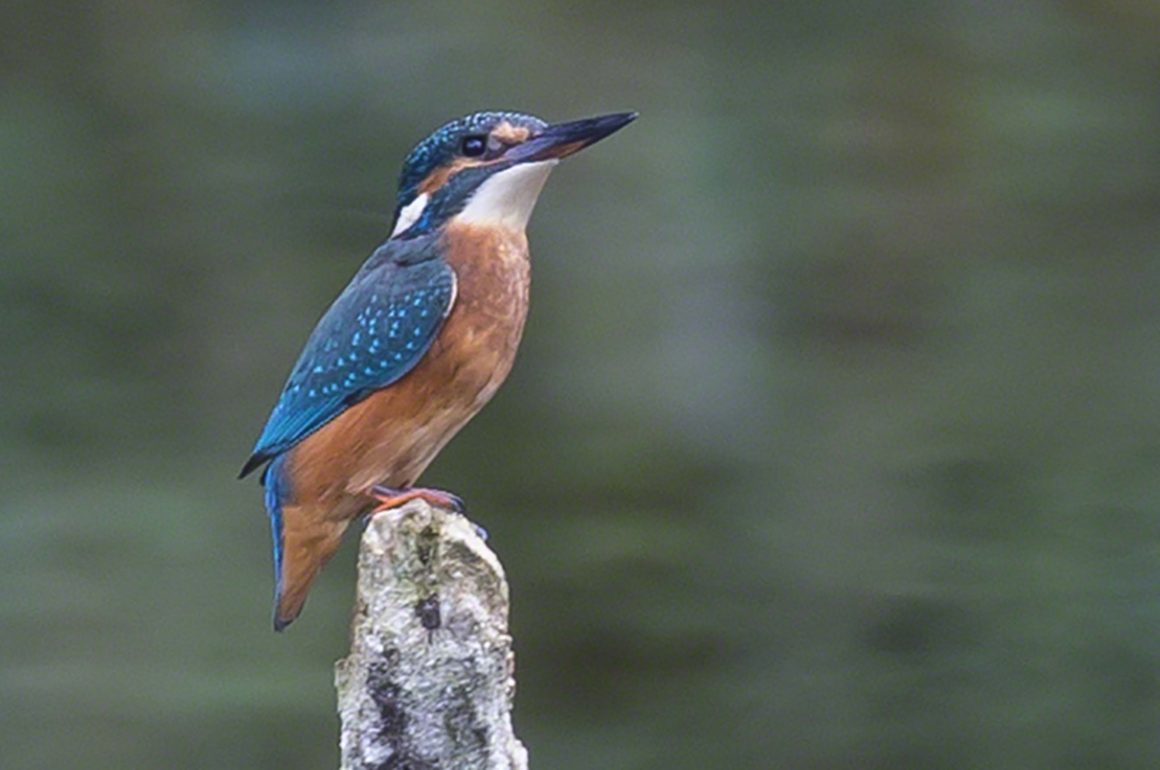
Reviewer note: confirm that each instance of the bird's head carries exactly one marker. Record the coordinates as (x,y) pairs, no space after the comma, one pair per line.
(488,168)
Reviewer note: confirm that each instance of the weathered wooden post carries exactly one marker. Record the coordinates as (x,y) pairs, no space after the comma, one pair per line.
(429,680)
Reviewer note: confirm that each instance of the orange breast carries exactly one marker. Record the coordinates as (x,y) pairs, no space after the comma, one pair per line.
(392,436)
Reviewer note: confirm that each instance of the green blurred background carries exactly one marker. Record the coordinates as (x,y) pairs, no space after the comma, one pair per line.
(833,442)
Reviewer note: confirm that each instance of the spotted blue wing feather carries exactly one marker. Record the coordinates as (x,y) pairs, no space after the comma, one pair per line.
(375,332)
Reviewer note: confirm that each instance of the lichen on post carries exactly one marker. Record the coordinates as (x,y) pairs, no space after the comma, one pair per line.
(429,680)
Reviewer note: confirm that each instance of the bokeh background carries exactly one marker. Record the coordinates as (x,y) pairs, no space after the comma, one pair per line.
(833,443)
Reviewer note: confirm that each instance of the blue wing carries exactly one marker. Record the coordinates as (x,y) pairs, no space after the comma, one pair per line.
(375,332)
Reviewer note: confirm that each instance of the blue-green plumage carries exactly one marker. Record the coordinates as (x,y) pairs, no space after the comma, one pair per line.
(373,334)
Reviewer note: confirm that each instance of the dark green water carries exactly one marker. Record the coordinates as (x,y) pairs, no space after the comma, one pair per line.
(833,442)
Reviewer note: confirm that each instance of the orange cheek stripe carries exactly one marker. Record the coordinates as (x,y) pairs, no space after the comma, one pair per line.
(438,178)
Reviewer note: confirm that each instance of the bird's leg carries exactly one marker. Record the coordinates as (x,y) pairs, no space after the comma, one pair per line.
(392,497)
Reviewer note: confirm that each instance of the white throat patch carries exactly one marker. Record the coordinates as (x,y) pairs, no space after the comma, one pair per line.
(507,198)
(410,213)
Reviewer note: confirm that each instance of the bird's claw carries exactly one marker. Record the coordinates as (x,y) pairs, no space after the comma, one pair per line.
(391,497)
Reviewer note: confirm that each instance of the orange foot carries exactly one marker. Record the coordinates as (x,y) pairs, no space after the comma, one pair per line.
(390,497)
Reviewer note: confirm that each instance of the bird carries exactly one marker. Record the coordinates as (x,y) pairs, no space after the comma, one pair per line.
(415,345)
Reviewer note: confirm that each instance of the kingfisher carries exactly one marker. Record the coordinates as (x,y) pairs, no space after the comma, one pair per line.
(416,344)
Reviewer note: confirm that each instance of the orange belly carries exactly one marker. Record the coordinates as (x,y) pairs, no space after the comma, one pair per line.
(393,435)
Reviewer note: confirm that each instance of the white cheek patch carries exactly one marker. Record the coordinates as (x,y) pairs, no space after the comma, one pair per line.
(411,213)
(507,198)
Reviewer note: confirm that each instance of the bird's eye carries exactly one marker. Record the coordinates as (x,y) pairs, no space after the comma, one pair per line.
(474,146)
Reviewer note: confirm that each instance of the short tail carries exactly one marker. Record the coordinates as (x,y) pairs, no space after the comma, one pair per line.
(276,492)
(305,537)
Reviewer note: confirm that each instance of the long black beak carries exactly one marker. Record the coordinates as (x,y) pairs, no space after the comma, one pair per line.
(560,140)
